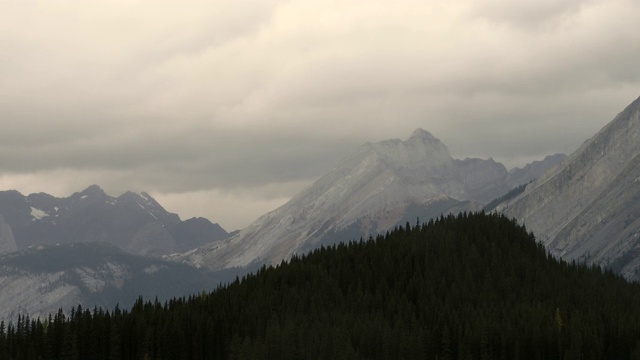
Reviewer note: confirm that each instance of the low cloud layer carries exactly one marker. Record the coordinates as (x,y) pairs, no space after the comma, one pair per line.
(244,103)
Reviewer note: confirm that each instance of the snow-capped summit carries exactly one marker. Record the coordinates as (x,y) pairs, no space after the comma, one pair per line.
(381,185)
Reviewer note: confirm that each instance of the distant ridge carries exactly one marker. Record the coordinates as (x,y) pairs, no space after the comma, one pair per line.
(134,222)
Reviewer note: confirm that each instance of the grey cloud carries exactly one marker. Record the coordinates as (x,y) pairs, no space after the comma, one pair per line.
(241,96)
(191,160)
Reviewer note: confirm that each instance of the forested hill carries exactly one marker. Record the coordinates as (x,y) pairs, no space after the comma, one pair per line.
(474,286)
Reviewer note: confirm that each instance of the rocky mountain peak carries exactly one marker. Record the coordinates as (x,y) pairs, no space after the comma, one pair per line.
(421,150)
(140,199)
(93,190)
(91,194)
(128,195)
(423,136)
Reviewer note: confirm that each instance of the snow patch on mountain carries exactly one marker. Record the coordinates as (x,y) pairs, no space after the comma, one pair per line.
(37,214)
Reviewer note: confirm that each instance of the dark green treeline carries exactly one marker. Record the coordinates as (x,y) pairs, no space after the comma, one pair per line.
(474,286)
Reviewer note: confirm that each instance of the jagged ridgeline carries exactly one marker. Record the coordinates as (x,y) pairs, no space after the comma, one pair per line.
(474,286)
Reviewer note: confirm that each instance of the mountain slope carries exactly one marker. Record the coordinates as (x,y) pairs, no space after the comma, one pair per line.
(519,176)
(136,223)
(41,281)
(369,192)
(589,207)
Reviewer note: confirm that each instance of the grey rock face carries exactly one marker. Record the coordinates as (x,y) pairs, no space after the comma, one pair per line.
(134,222)
(588,208)
(7,242)
(380,186)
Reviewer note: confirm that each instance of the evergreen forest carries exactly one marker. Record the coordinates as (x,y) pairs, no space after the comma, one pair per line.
(472,286)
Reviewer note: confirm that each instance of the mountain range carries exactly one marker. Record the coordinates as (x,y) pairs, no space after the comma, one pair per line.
(134,222)
(94,249)
(382,185)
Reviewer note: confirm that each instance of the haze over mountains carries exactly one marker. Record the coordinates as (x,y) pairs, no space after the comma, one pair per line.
(588,209)
(380,186)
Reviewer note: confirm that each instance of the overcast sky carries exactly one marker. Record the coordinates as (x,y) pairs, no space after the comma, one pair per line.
(225,109)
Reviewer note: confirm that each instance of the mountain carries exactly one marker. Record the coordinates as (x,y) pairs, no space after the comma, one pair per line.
(134,222)
(519,176)
(380,186)
(473,286)
(41,280)
(588,208)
